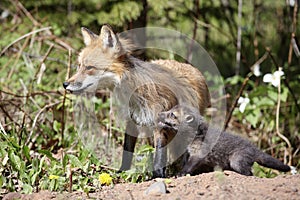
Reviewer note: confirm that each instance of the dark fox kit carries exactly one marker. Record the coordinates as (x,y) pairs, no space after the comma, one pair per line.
(211,148)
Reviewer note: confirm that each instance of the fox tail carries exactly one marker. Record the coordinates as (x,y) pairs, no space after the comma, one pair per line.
(268,161)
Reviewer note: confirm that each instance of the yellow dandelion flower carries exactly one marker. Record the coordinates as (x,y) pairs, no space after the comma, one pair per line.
(105,178)
(53,177)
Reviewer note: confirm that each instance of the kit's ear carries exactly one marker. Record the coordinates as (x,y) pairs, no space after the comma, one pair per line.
(109,39)
(88,36)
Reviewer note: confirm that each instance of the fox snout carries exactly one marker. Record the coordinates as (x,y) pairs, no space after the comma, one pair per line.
(161,116)
(66,84)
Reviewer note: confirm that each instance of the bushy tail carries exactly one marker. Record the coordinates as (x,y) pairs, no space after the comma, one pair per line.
(270,162)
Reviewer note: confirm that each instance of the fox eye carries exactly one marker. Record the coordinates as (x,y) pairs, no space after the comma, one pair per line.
(173,116)
(189,118)
(89,67)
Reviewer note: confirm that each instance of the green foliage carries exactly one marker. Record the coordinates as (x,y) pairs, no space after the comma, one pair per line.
(142,165)
(35,153)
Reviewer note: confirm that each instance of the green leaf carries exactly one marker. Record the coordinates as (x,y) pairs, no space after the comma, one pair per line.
(33,178)
(15,160)
(41,163)
(284,94)
(26,152)
(253,117)
(27,189)
(57,126)
(47,153)
(65,160)
(273,95)
(75,161)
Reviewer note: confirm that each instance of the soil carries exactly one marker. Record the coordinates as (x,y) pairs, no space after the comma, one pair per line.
(208,186)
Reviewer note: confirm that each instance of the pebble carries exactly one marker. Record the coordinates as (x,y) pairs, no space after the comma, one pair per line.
(156,188)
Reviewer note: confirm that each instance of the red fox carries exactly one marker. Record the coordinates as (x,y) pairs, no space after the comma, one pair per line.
(144,89)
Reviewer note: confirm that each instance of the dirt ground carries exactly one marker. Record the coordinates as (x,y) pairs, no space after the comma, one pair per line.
(209,186)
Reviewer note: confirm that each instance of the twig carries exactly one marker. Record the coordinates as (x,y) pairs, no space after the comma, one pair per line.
(7,114)
(39,57)
(196,13)
(70,179)
(24,36)
(293,33)
(43,60)
(36,118)
(277,124)
(17,58)
(25,11)
(64,99)
(239,38)
(32,94)
(285,81)
(289,149)
(2,129)
(229,115)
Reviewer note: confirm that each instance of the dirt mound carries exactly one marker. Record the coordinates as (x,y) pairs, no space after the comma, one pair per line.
(215,185)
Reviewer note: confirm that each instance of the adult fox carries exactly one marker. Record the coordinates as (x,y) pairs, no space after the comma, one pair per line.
(144,89)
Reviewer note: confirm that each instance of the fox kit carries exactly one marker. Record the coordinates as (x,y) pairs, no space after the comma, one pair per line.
(230,152)
(143,88)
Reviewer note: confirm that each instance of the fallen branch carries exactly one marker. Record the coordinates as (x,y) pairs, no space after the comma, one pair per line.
(234,104)
(24,36)
(35,121)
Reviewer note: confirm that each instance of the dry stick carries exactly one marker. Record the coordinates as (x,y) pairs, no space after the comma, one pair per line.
(291,54)
(17,59)
(43,60)
(23,9)
(64,99)
(229,115)
(24,36)
(7,114)
(20,6)
(197,10)
(2,129)
(35,121)
(293,33)
(277,112)
(277,124)
(239,38)
(63,119)
(30,91)
(32,94)
(70,179)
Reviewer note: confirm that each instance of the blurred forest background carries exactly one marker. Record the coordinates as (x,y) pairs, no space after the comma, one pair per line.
(39,147)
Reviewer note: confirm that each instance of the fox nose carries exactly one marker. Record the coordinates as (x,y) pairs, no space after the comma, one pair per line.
(65,84)
(161,116)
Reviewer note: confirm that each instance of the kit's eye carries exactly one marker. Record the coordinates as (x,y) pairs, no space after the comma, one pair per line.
(189,118)
(89,67)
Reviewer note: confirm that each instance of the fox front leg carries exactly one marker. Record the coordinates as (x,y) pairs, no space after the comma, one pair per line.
(193,164)
(160,159)
(130,138)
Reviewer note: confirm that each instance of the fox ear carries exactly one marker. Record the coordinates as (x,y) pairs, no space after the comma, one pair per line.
(88,36)
(109,39)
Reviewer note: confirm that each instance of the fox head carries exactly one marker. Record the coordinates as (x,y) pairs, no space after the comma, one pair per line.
(100,63)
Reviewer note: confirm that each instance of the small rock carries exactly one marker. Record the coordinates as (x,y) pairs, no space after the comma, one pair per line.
(156,188)
(200,193)
(12,195)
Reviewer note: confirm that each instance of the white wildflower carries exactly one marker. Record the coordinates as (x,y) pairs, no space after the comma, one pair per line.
(256,70)
(243,103)
(273,78)
(292,3)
